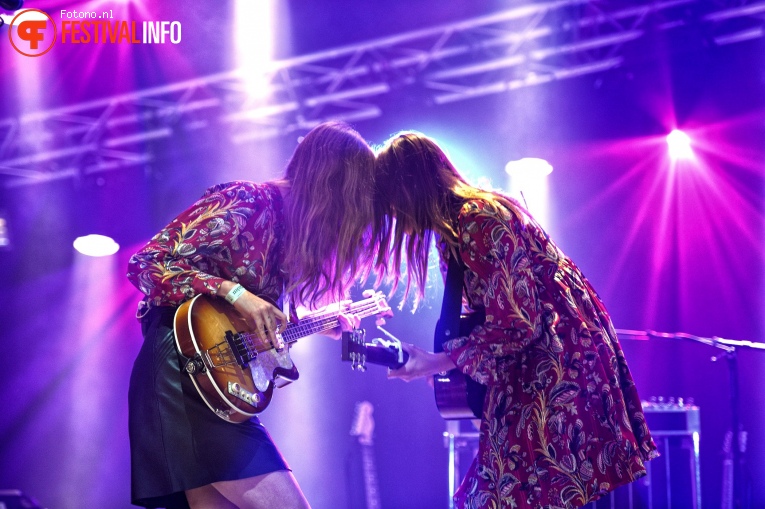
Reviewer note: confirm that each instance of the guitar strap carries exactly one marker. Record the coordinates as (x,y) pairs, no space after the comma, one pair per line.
(448,326)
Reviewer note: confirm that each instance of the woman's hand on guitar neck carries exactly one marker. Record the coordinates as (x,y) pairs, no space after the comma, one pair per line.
(421,364)
(265,317)
(347,321)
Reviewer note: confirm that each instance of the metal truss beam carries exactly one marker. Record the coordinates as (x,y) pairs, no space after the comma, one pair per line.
(521,47)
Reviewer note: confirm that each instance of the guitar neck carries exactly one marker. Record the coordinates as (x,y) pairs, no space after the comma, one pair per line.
(363,426)
(320,322)
(371,489)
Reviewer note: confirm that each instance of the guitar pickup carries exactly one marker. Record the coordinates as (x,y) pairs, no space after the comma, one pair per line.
(236,390)
(239,348)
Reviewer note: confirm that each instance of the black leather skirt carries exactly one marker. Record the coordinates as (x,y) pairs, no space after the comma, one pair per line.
(176,441)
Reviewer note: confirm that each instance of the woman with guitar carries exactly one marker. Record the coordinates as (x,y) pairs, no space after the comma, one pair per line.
(302,236)
(561,420)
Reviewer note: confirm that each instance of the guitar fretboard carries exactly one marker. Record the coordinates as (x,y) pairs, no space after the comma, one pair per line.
(247,345)
(314,324)
(371,488)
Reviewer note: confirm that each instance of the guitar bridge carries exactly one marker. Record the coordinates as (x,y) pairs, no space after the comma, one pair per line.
(221,355)
(240,392)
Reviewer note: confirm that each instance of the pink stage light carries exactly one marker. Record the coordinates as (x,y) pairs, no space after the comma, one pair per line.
(679,145)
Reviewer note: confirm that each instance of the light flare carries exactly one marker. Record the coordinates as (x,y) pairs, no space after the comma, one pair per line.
(96,245)
(254,43)
(679,144)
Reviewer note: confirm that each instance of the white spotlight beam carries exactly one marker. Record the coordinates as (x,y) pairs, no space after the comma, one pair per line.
(519,47)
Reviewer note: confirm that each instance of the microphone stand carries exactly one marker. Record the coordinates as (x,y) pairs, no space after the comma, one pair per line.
(736,498)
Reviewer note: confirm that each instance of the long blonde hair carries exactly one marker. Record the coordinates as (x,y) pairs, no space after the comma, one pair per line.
(418,193)
(328,212)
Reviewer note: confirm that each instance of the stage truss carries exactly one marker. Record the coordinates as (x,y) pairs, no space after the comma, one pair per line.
(521,47)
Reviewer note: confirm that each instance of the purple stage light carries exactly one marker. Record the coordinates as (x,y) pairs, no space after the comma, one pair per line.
(5,239)
(679,145)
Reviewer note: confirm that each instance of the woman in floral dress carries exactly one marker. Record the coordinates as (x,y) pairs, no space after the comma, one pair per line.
(302,235)
(562,422)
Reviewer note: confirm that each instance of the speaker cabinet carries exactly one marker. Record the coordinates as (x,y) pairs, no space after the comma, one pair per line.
(673,479)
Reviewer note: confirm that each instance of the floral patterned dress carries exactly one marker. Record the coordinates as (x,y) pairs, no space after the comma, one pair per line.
(232,233)
(562,423)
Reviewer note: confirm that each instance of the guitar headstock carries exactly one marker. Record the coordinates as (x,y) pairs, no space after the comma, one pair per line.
(374,303)
(363,424)
(380,351)
(383,308)
(354,349)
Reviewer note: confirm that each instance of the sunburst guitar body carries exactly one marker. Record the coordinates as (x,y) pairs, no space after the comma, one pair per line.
(235,371)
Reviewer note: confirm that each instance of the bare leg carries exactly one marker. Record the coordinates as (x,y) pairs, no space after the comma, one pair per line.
(275,490)
(207,497)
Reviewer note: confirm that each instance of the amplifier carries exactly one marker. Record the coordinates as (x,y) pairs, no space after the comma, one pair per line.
(674,478)
(672,417)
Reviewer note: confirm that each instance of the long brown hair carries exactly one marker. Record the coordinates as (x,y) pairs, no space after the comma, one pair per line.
(418,193)
(328,212)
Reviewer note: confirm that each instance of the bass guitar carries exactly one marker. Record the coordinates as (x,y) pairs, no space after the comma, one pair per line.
(234,370)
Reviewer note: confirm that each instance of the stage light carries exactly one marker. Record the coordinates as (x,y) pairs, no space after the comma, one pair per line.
(11,5)
(528,167)
(5,239)
(254,43)
(96,245)
(528,184)
(679,145)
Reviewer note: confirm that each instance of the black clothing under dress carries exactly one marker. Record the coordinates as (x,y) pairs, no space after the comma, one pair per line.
(176,441)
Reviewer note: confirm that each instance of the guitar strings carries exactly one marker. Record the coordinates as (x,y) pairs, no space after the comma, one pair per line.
(309,325)
(317,323)
(331,314)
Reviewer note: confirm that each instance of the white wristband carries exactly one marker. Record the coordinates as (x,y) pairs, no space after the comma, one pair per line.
(236,292)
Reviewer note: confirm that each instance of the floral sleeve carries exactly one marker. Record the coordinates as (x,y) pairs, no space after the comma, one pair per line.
(492,250)
(174,265)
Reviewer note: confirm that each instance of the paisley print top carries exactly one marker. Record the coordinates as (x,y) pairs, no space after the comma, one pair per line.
(232,233)
(562,422)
